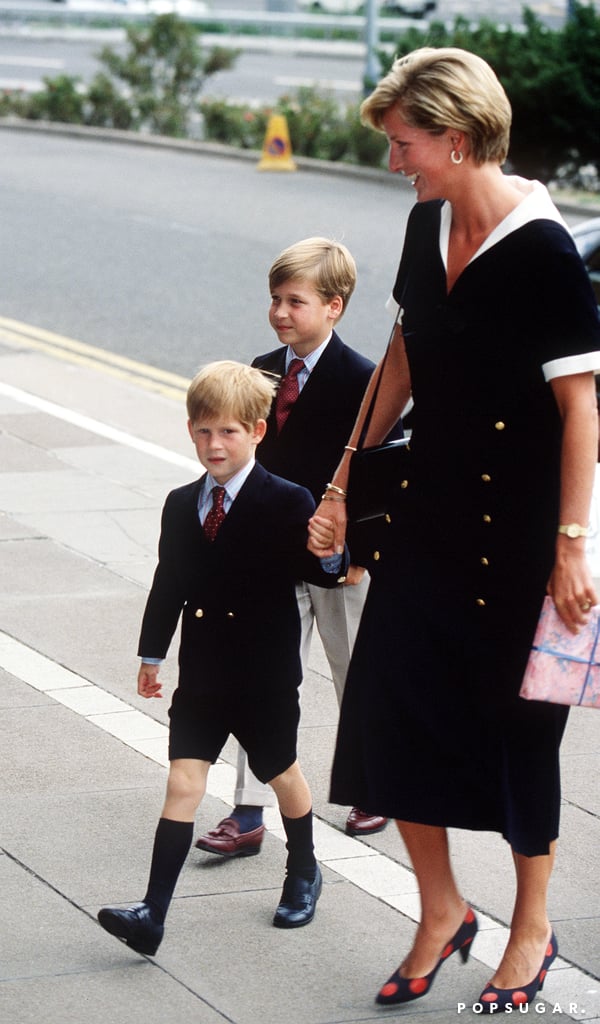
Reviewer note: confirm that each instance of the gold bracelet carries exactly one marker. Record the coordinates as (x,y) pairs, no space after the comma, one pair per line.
(329,497)
(349,448)
(338,490)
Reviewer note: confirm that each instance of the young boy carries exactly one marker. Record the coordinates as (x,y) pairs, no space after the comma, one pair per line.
(232,545)
(310,284)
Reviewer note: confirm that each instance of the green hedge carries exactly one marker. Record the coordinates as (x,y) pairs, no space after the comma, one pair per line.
(552,78)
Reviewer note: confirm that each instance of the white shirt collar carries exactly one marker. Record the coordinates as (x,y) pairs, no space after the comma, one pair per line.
(311,360)
(535,205)
(233,486)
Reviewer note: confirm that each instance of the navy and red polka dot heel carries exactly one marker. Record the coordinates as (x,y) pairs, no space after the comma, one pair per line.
(497,1000)
(398,989)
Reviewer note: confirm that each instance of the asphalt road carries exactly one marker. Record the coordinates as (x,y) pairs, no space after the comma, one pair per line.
(163,256)
(256,76)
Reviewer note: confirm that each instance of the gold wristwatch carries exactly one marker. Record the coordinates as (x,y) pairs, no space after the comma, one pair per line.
(573,530)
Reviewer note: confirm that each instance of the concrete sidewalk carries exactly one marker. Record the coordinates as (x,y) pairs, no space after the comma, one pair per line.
(89,447)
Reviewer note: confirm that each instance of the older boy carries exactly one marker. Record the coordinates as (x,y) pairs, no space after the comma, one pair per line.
(322,385)
(230,551)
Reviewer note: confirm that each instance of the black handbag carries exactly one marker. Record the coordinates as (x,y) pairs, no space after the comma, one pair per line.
(375,472)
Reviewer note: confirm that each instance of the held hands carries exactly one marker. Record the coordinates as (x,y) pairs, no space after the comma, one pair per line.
(148,684)
(571,586)
(321,536)
(327,529)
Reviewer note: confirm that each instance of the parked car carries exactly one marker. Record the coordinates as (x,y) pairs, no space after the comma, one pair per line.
(587,239)
(332,6)
(406,8)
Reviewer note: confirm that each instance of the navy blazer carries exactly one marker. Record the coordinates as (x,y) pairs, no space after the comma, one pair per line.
(240,623)
(320,422)
(311,442)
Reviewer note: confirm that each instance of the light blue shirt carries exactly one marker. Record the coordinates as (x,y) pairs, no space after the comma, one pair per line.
(232,489)
(310,361)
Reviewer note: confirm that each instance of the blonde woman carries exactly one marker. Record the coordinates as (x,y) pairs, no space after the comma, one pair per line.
(498,343)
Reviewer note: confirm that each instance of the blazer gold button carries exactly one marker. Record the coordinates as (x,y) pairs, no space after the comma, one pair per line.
(486,518)
(199,613)
(480,602)
(230,615)
(486,478)
(341,579)
(499,425)
(484,561)
(388,517)
(404,484)
(376,556)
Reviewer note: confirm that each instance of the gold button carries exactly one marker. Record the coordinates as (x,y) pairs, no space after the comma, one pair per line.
(487,519)
(341,579)
(480,602)
(404,484)
(484,561)
(388,517)
(230,615)
(376,556)
(486,478)
(499,425)
(199,613)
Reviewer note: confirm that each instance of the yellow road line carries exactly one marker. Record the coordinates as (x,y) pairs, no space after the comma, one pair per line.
(171,385)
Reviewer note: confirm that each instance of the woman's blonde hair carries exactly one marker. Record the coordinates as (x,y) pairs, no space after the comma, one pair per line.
(227,388)
(327,265)
(437,89)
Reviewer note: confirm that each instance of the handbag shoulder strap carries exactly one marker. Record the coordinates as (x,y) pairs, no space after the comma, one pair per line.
(371,409)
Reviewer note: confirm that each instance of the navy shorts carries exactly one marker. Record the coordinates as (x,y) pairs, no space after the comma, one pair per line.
(265,724)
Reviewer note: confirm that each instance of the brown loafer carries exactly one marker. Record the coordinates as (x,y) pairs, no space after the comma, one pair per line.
(360,823)
(226,840)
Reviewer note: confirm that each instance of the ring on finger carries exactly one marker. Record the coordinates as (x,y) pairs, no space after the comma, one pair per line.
(585,607)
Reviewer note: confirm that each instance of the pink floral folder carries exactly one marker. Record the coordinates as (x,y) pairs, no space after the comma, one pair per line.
(564,667)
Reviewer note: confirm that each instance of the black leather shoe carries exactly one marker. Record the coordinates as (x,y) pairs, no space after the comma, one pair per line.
(298,901)
(133,925)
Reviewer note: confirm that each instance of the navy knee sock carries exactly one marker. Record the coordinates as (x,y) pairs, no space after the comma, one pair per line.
(172,843)
(248,816)
(301,857)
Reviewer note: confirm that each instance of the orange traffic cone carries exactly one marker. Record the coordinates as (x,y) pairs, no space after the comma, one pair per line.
(276,151)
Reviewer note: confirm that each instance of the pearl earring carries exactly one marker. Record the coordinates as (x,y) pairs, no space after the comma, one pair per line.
(456,158)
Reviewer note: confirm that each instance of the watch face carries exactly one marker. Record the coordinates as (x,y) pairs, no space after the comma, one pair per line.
(574,530)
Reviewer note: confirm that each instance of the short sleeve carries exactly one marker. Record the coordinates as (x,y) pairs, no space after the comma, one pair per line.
(569,323)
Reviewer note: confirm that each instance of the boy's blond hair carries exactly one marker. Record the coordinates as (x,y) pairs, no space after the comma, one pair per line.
(327,265)
(227,388)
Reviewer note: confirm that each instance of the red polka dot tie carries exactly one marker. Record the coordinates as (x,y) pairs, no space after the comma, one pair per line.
(216,514)
(288,392)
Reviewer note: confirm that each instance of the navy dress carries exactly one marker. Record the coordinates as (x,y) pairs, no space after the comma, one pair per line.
(432,729)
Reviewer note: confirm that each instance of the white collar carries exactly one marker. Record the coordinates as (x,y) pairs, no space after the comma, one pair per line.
(535,205)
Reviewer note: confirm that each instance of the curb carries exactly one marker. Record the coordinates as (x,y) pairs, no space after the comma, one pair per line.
(194,147)
(217,149)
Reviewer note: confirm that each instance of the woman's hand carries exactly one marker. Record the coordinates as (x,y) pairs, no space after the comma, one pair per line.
(570,585)
(333,534)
